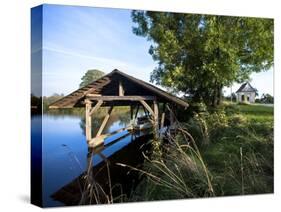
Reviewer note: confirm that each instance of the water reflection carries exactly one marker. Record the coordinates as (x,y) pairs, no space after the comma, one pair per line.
(69,165)
(103,181)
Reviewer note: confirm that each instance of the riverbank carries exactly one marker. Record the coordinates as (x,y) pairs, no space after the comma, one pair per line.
(232,155)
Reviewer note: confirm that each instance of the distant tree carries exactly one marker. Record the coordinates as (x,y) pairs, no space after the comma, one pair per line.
(232,97)
(47,100)
(36,103)
(200,54)
(267,99)
(90,76)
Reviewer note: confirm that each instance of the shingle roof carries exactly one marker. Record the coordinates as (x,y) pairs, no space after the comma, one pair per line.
(107,84)
(246,87)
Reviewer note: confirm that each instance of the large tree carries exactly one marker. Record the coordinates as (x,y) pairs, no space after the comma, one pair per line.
(90,76)
(199,54)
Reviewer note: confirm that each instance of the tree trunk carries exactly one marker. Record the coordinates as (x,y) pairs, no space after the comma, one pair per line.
(219,94)
(215,97)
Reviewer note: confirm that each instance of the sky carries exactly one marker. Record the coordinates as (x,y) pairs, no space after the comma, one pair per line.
(76,39)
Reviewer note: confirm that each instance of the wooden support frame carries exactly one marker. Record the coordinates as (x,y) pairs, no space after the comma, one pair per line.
(156,118)
(104,122)
(88,119)
(119,98)
(97,106)
(146,112)
(147,107)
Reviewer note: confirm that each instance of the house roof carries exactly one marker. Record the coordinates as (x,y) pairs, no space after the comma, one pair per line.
(108,86)
(246,87)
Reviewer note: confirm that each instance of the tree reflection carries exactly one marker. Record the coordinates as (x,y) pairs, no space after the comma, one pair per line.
(120,115)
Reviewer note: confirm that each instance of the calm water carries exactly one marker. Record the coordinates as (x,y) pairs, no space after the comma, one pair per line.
(66,156)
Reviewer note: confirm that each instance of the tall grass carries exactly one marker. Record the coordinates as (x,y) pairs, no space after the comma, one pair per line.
(216,153)
(175,169)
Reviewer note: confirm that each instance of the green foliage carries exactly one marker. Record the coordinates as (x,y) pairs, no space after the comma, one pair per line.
(199,54)
(90,76)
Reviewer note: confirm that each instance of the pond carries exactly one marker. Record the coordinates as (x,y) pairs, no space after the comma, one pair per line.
(66,158)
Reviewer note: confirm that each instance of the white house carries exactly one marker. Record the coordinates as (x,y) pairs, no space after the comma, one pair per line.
(246,93)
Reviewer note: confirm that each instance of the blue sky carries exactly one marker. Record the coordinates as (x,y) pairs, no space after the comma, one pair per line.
(76,39)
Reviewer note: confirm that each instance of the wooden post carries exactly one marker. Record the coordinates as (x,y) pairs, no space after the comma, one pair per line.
(163,115)
(156,118)
(132,111)
(88,127)
(121,89)
(104,122)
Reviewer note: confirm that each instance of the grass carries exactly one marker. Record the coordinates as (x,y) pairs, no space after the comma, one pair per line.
(228,151)
(243,149)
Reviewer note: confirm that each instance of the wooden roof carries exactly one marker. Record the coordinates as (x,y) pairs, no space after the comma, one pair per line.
(108,85)
(246,87)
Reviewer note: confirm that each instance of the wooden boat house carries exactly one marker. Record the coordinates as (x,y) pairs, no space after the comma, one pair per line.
(120,89)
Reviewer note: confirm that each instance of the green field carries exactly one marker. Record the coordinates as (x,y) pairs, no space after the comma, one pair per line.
(245,145)
(233,155)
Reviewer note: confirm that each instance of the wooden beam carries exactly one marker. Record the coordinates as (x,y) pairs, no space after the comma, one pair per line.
(97,106)
(121,89)
(119,98)
(147,107)
(163,115)
(156,118)
(88,126)
(145,110)
(104,122)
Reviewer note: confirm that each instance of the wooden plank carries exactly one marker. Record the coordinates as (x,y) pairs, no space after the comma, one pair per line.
(53,107)
(97,106)
(147,107)
(97,141)
(119,98)
(121,89)
(88,126)
(104,122)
